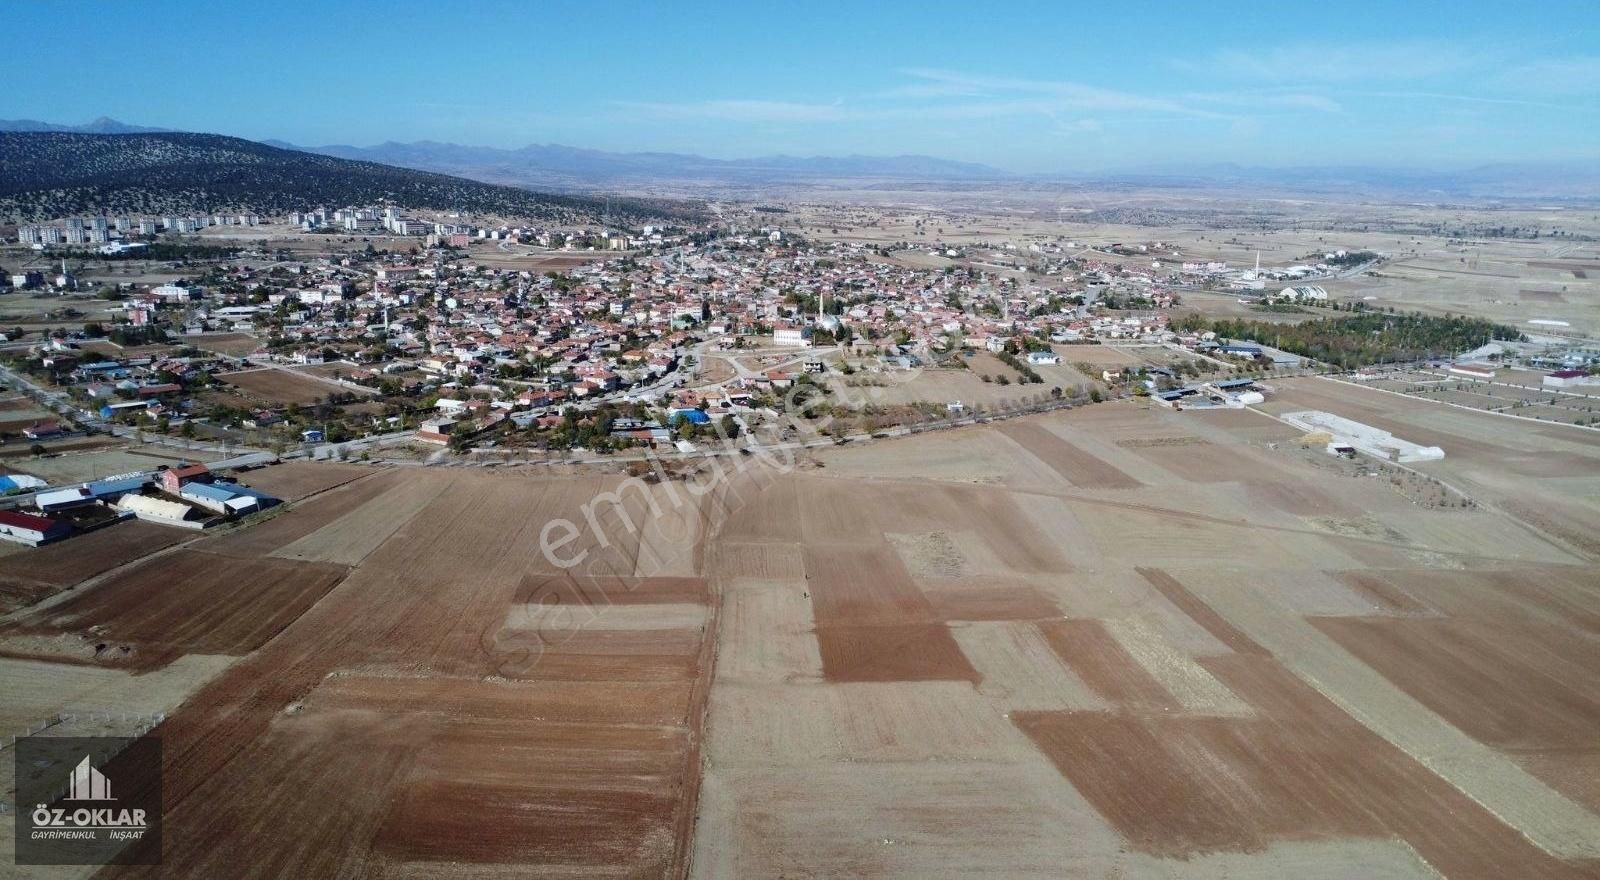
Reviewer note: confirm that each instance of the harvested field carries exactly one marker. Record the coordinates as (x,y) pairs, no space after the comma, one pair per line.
(1076,466)
(186,602)
(401,698)
(293,480)
(279,387)
(1019,669)
(863,585)
(317,513)
(1089,649)
(1228,662)
(911,652)
(799,725)
(230,344)
(1159,781)
(348,539)
(981,598)
(27,577)
(1098,355)
(767,633)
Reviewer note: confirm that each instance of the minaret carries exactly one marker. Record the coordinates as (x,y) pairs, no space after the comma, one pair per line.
(1258,262)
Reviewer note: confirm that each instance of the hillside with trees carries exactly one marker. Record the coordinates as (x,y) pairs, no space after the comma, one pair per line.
(46,175)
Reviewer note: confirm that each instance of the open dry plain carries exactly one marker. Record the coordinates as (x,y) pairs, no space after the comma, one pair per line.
(1116,641)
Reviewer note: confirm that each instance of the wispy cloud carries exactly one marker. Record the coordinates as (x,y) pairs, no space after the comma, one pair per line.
(1354,62)
(949,95)
(1273,100)
(1459,99)
(1577,75)
(1056,94)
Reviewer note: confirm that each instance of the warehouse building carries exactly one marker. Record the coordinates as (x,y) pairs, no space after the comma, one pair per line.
(26,528)
(162,512)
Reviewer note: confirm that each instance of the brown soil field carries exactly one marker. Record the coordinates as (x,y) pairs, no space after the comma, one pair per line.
(230,344)
(27,577)
(907,652)
(18,404)
(279,387)
(947,655)
(186,602)
(1078,467)
(317,513)
(416,693)
(714,370)
(294,480)
(863,585)
(1159,781)
(1105,666)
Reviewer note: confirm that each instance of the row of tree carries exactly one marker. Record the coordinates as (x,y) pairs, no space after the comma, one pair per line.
(1362,339)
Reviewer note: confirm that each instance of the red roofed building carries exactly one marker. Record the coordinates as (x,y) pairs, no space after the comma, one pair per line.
(26,528)
(173,479)
(1565,378)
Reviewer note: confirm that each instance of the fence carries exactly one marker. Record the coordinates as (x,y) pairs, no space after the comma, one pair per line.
(141,723)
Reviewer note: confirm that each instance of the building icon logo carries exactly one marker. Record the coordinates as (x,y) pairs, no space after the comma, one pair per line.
(88,784)
(66,812)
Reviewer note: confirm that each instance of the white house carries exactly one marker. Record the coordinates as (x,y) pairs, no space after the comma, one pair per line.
(1044,358)
(799,337)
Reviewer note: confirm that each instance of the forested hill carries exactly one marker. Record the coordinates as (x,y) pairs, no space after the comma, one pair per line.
(45,175)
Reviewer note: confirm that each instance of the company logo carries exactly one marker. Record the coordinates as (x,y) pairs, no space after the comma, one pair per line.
(89,784)
(65,823)
(68,814)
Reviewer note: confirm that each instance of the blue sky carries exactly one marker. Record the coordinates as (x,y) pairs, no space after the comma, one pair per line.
(1027,87)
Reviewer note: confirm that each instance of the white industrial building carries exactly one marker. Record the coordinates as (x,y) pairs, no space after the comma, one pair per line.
(162,512)
(1305,293)
(1375,442)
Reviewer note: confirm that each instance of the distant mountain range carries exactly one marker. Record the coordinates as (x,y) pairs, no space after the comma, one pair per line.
(562,167)
(103,125)
(52,174)
(552,166)
(1523,180)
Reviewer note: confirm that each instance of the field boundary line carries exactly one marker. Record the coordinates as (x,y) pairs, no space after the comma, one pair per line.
(1460,406)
